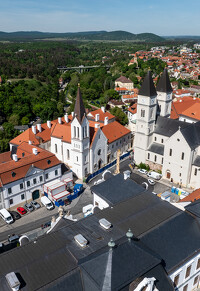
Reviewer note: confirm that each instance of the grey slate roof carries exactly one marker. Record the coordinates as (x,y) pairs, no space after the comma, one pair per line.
(141,213)
(167,127)
(192,134)
(119,266)
(79,109)
(117,189)
(176,240)
(197,161)
(148,88)
(156,148)
(194,208)
(164,84)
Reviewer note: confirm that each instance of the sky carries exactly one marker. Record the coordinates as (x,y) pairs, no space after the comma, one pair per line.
(165,18)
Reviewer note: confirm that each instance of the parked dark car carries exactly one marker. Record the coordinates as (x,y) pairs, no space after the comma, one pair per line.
(35,204)
(15,215)
(28,207)
(13,238)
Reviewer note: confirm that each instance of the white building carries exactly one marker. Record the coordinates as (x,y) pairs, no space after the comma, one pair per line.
(23,174)
(84,143)
(171,146)
(124,82)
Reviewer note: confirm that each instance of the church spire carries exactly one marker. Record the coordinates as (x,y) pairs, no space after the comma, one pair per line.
(164,83)
(148,88)
(79,109)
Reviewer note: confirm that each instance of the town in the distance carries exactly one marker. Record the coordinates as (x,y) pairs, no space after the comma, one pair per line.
(100,168)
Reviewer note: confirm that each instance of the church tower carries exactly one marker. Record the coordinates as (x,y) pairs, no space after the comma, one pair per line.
(146,117)
(164,97)
(80,138)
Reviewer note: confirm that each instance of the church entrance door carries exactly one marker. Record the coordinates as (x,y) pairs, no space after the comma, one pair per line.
(168,175)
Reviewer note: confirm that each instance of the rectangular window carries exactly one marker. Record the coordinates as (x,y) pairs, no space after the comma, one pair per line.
(195,171)
(188,271)
(155,158)
(185,287)
(198,264)
(162,140)
(41,178)
(28,183)
(9,190)
(142,113)
(182,156)
(68,156)
(170,152)
(86,131)
(21,185)
(77,158)
(162,161)
(196,280)
(56,172)
(176,279)
(148,156)
(74,131)
(78,132)
(47,176)
(155,138)
(11,201)
(22,197)
(56,148)
(34,181)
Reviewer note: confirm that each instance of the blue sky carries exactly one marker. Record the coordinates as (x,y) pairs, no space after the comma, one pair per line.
(177,17)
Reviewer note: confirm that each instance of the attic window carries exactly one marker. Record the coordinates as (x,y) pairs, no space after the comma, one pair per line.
(13,174)
(81,240)
(48,162)
(105,223)
(23,154)
(178,139)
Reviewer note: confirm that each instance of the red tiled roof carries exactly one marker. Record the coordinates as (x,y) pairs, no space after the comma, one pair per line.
(181,105)
(102,115)
(23,164)
(62,131)
(195,195)
(114,131)
(133,109)
(123,79)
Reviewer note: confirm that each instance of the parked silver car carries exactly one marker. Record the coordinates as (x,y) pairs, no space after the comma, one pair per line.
(35,204)
(28,207)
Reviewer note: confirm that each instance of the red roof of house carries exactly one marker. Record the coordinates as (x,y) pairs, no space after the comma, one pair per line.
(133,109)
(195,195)
(123,79)
(182,105)
(11,171)
(114,131)
(102,115)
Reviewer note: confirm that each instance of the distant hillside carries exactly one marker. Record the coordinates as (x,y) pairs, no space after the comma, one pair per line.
(88,35)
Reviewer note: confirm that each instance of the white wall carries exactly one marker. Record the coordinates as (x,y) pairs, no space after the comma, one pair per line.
(182,271)
(97,201)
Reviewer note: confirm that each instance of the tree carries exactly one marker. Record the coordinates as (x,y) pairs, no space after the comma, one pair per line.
(120,115)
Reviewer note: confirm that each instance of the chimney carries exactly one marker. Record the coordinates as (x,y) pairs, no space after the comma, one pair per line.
(106,120)
(97,125)
(15,158)
(35,151)
(29,142)
(66,118)
(96,117)
(34,129)
(72,113)
(103,109)
(49,123)
(59,120)
(39,127)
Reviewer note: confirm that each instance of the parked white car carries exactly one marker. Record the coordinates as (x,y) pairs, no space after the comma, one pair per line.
(151,182)
(142,171)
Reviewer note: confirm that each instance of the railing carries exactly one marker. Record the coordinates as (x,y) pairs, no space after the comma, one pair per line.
(106,167)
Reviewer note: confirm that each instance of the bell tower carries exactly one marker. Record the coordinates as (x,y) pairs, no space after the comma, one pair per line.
(80,138)
(146,118)
(164,97)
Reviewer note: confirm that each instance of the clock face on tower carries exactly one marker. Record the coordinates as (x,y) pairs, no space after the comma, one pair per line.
(152,101)
(168,96)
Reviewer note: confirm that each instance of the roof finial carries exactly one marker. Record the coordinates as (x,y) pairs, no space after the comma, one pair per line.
(111,243)
(79,85)
(129,234)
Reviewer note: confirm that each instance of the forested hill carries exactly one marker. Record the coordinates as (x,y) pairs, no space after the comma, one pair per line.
(89,35)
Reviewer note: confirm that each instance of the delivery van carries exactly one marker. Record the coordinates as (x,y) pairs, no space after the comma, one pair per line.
(47,203)
(6,216)
(154,175)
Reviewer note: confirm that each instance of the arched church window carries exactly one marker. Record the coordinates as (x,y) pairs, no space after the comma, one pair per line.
(99,152)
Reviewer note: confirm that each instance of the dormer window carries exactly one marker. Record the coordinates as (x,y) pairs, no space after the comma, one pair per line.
(48,162)
(13,174)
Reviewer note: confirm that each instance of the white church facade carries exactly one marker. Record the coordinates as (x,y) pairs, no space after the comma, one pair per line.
(165,144)
(83,142)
